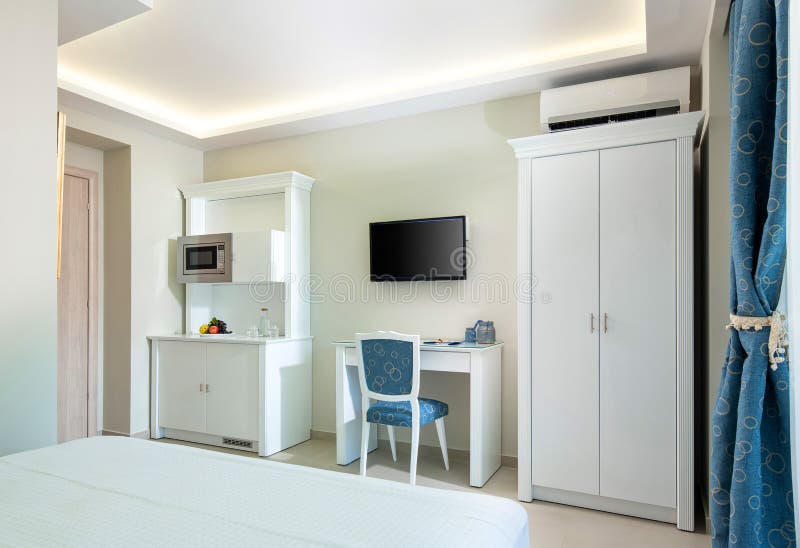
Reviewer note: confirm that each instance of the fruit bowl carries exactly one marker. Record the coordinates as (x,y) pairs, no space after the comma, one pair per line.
(214,328)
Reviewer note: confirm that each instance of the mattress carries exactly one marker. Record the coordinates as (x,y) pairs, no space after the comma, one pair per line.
(124,492)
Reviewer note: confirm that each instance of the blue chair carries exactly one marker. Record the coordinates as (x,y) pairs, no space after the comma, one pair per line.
(388,368)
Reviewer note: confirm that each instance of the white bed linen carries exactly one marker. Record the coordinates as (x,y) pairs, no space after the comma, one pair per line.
(116,491)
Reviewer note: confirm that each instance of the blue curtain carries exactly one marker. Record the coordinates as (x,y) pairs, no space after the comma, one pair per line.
(751,483)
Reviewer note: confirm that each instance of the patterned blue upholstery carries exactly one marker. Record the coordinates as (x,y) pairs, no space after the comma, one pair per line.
(398,413)
(388,366)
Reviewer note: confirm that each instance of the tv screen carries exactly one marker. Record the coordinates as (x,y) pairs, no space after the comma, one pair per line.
(418,249)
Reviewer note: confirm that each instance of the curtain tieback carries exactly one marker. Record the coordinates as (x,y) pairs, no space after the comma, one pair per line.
(778,336)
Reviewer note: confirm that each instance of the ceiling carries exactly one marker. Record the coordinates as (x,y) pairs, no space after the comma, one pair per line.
(212,74)
(77,18)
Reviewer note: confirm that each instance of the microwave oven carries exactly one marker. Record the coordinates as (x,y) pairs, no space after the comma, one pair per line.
(205,258)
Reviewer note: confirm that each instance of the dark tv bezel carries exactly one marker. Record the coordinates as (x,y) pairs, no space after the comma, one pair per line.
(419,278)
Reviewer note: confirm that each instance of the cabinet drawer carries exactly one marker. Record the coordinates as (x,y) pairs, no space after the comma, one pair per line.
(430,360)
(350,356)
(434,360)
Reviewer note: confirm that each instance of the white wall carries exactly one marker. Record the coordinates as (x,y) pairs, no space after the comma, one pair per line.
(85,157)
(158,166)
(450,162)
(91,159)
(28,38)
(117,291)
(715,215)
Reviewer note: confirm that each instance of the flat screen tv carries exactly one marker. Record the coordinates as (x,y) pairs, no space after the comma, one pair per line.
(418,249)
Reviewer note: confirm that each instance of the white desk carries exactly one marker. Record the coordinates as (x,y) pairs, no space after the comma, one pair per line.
(480,362)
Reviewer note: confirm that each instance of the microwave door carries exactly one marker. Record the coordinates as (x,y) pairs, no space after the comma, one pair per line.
(200,259)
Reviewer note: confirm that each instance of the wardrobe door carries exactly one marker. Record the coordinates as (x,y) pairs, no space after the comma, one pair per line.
(637,341)
(564,390)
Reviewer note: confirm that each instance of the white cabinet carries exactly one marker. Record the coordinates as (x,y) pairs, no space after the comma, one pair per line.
(605,358)
(603,340)
(258,256)
(269,217)
(182,380)
(212,389)
(232,390)
(245,393)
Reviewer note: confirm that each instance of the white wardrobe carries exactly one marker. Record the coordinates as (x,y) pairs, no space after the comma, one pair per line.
(605,336)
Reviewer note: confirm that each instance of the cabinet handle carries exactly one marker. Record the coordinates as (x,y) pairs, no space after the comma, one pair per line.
(605,323)
(591,322)
(207,390)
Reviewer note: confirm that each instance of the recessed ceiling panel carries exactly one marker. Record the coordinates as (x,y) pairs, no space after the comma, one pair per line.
(209,67)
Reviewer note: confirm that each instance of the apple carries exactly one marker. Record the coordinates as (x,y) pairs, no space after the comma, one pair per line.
(213,330)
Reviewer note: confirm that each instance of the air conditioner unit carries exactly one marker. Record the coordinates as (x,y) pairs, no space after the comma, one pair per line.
(616,100)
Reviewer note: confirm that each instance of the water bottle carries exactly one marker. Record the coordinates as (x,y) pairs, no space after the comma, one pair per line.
(484,332)
(264,324)
(491,333)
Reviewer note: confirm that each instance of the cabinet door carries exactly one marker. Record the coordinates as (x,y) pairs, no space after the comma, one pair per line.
(232,397)
(564,380)
(638,352)
(258,256)
(181,376)
(250,257)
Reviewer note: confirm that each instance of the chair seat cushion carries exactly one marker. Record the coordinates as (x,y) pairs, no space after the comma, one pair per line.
(398,413)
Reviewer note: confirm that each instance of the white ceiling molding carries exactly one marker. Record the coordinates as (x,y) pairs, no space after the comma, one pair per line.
(185,108)
(77,18)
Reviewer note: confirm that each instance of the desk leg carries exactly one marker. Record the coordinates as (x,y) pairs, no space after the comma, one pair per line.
(348,413)
(485,409)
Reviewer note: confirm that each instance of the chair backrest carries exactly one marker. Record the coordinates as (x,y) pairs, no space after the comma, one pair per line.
(388,365)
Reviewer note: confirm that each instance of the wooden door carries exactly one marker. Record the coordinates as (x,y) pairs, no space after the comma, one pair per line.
(638,350)
(181,385)
(232,397)
(564,375)
(73,313)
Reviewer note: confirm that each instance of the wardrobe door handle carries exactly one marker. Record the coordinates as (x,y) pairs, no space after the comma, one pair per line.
(605,323)
(207,390)
(591,322)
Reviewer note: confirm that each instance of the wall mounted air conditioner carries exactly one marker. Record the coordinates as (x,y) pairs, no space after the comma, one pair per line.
(616,100)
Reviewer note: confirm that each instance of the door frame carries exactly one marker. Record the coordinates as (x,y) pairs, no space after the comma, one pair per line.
(92,335)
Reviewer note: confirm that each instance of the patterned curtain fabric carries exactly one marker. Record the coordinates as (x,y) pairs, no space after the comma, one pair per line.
(751,483)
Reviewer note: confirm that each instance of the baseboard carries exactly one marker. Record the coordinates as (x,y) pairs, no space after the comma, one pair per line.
(114,433)
(605,504)
(424,450)
(705,507)
(323,435)
(143,435)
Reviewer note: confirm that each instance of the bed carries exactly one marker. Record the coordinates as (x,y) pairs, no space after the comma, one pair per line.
(123,491)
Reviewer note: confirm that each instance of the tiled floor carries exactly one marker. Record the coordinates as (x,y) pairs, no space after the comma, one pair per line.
(551,525)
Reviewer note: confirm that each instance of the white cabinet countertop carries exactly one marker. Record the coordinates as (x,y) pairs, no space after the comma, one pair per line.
(232,339)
